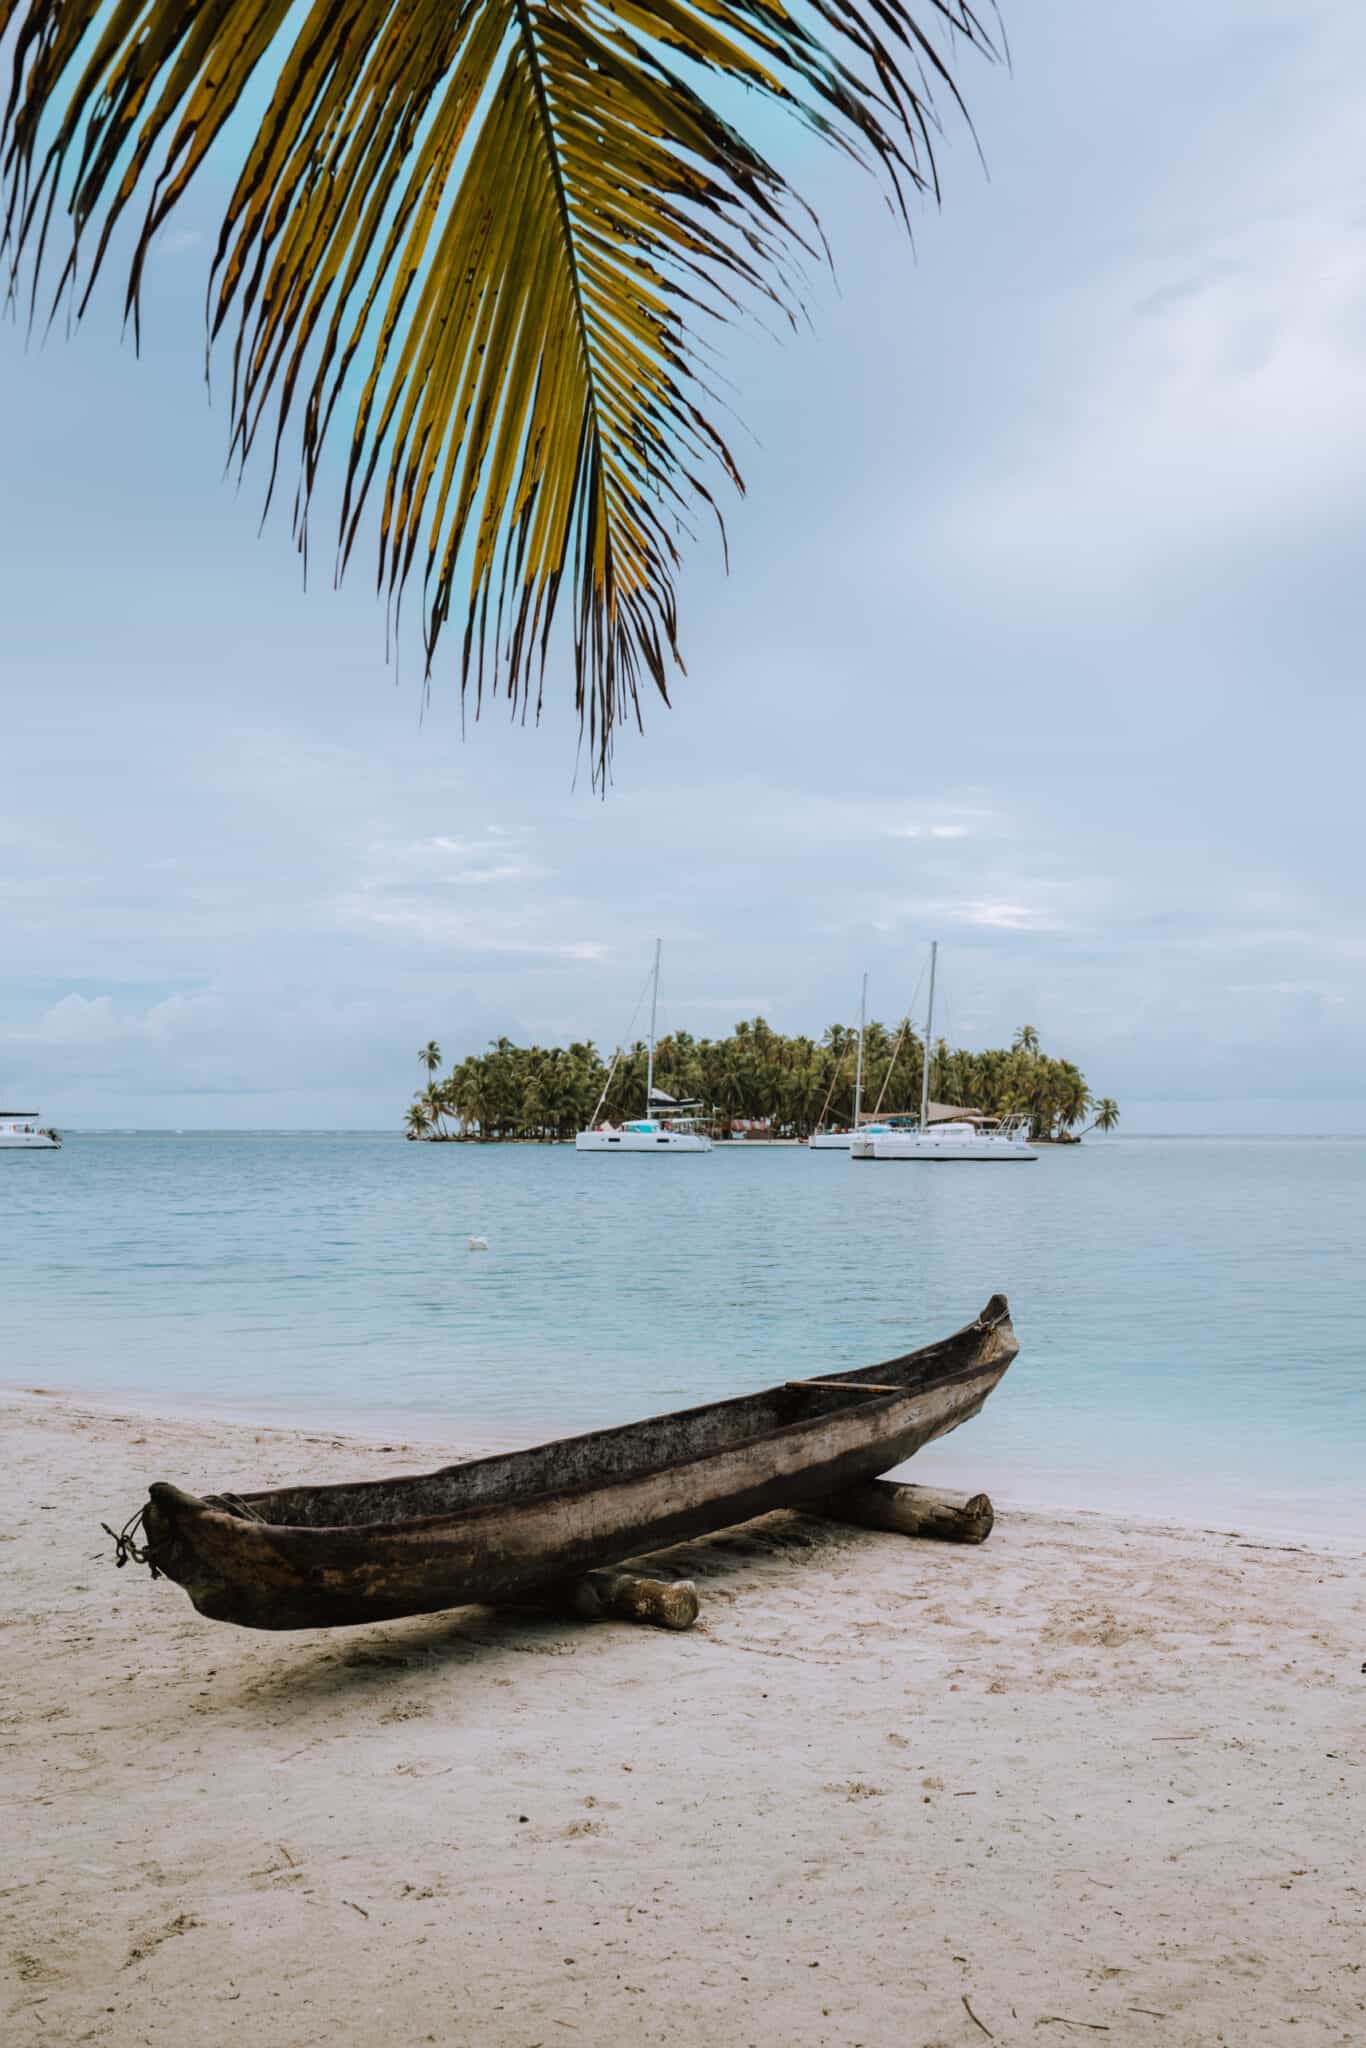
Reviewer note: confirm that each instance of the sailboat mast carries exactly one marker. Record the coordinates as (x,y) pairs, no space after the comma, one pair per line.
(858,1071)
(654,1018)
(929,1040)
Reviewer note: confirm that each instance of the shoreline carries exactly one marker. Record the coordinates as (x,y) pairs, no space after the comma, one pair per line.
(423,1432)
(1088,1775)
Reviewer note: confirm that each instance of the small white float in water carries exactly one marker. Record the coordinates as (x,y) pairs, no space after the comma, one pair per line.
(479,1244)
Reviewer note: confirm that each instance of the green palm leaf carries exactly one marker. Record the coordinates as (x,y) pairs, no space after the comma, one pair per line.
(490,235)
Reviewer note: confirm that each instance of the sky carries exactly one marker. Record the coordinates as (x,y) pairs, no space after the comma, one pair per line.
(1041,636)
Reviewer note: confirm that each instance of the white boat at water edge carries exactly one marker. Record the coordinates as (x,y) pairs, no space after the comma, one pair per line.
(1006,1139)
(647,1134)
(20,1131)
(674,1131)
(967,1137)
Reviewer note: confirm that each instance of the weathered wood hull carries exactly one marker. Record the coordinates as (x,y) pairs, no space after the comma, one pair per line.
(497,1529)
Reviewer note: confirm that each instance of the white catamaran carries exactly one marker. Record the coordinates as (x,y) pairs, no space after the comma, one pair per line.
(675,1131)
(963,1138)
(20,1131)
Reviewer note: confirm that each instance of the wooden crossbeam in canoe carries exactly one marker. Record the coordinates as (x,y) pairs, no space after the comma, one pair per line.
(850,1386)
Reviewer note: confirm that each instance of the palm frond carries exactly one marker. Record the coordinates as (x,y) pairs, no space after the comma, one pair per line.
(490,234)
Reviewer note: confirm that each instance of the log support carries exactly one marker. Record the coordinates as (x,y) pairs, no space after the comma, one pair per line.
(624,1596)
(911,1511)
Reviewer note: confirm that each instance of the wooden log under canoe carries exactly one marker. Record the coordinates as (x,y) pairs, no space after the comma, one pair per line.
(621,1596)
(912,1511)
(499,1529)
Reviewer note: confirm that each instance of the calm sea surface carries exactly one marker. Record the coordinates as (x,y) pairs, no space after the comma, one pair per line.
(1188,1310)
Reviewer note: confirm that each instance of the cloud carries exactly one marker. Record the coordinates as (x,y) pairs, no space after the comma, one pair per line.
(442,861)
(1220,403)
(440,843)
(526,934)
(1008,917)
(178,241)
(1313,989)
(1230,413)
(86,1021)
(510,871)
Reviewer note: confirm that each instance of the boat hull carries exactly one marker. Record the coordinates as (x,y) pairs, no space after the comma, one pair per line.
(505,1528)
(21,1136)
(932,1148)
(641,1141)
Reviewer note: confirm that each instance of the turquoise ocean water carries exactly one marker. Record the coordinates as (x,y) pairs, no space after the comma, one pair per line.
(1192,1343)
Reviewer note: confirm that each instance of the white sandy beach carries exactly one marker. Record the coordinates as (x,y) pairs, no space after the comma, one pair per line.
(1092,1781)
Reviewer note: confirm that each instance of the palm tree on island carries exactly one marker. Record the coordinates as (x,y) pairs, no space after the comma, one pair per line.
(1106,1116)
(430,1057)
(484,250)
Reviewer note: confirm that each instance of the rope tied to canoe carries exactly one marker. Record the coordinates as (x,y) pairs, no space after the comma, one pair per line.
(126,1545)
(125,1540)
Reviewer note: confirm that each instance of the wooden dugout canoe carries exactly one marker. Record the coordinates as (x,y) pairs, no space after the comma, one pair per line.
(505,1528)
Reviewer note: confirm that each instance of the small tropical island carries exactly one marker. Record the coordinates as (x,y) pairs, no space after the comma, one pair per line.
(756,1081)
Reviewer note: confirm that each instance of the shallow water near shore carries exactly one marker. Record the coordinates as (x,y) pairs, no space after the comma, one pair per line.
(1191,1343)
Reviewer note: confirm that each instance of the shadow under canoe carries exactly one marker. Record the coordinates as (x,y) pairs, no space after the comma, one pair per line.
(504,1528)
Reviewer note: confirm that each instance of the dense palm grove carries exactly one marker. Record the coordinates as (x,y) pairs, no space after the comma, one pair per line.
(549,1092)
